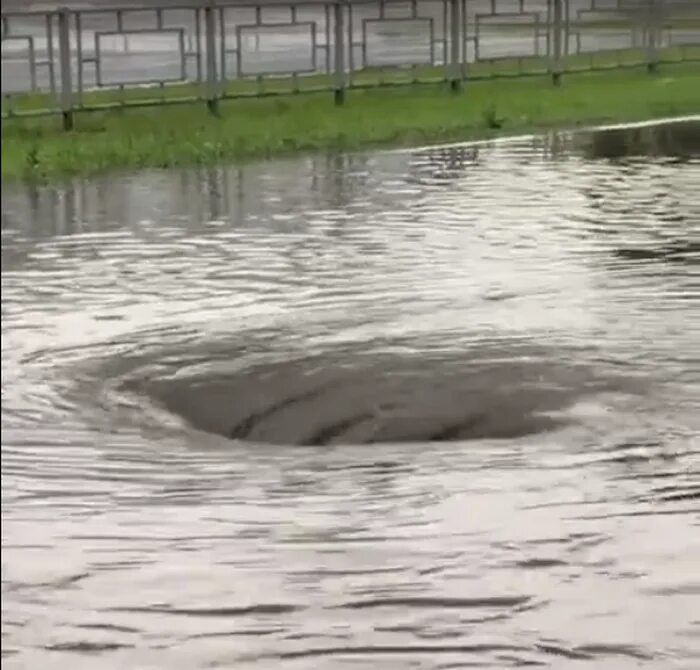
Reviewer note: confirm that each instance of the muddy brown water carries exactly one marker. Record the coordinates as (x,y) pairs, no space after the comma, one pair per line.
(419,409)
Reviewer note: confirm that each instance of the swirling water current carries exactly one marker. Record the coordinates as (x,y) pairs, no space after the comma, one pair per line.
(418,409)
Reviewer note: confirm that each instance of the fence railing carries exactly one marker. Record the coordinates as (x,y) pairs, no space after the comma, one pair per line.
(66,61)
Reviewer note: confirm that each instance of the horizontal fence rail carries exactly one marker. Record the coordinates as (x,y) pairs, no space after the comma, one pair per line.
(65,61)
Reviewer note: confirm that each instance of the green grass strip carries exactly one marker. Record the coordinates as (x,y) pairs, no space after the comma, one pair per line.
(37,149)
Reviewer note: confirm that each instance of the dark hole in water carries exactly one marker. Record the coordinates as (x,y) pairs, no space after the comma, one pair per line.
(383,398)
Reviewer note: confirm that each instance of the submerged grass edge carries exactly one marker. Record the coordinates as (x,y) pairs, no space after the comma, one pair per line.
(38,150)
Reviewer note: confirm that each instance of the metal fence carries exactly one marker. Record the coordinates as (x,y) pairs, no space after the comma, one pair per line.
(65,61)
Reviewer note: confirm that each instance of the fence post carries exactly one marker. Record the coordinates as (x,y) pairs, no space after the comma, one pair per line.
(555,35)
(651,30)
(212,88)
(339,54)
(455,51)
(64,64)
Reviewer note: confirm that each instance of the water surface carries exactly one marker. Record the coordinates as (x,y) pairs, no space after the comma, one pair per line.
(418,409)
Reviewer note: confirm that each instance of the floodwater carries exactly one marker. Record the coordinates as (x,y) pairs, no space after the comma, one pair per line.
(416,409)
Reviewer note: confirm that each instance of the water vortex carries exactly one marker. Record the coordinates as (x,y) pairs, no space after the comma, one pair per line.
(351,397)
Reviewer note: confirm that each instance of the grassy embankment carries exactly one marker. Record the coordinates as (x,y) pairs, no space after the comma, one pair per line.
(283,123)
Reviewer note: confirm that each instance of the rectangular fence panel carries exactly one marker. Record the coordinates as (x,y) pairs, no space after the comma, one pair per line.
(283,45)
(19,64)
(510,35)
(29,60)
(276,49)
(397,41)
(598,30)
(118,48)
(400,41)
(140,57)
